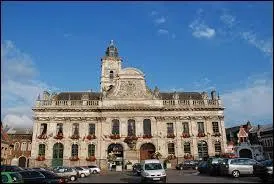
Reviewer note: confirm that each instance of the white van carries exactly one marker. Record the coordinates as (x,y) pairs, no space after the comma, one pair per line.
(153,170)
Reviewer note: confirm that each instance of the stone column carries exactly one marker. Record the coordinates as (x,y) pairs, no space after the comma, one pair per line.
(194,132)
(139,126)
(210,145)
(223,133)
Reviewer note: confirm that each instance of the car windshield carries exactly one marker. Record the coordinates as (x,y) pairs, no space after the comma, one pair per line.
(79,168)
(153,166)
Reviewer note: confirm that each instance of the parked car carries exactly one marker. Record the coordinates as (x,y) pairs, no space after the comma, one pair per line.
(51,177)
(136,169)
(153,170)
(11,177)
(238,166)
(32,176)
(214,165)
(11,168)
(94,169)
(264,170)
(188,164)
(39,168)
(202,167)
(67,172)
(82,172)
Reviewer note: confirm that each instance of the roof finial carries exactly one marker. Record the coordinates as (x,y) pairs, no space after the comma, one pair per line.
(111,42)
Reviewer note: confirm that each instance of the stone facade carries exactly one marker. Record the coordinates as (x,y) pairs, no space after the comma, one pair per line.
(124,97)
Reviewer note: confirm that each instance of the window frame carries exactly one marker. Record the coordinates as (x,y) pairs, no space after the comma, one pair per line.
(185,126)
(201,127)
(115,127)
(75,129)
(187,146)
(170,129)
(74,150)
(41,149)
(91,128)
(171,149)
(131,127)
(215,127)
(147,127)
(91,150)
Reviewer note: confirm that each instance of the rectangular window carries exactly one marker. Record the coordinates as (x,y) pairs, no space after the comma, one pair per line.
(131,127)
(43,128)
(92,129)
(170,129)
(115,127)
(75,129)
(171,149)
(185,128)
(187,148)
(59,128)
(215,127)
(201,127)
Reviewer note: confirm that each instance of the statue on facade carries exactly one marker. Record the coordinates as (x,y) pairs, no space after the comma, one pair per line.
(175,96)
(156,92)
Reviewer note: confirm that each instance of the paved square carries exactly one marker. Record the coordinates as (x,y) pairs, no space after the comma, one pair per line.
(173,176)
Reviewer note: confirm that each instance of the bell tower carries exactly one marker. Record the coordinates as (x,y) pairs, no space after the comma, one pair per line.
(110,67)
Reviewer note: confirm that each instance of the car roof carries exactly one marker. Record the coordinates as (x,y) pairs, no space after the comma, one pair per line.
(151,161)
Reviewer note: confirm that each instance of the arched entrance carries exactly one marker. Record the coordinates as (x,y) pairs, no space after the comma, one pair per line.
(146,151)
(57,158)
(14,161)
(22,162)
(245,153)
(202,150)
(118,151)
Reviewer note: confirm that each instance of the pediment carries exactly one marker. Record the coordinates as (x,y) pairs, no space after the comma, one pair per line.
(131,89)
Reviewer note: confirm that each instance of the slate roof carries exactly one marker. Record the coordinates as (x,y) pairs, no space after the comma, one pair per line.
(78,95)
(182,95)
(20,131)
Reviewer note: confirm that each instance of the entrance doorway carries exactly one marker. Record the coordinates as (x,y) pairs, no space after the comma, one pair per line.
(118,151)
(22,162)
(57,159)
(202,150)
(245,153)
(146,151)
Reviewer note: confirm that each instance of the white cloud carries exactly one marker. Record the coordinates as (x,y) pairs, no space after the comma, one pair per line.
(163,32)
(67,35)
(204,84)
(201,30)
(265,46)
(253,102)
(154,13)
(160,20)
(228,19)
(19,89)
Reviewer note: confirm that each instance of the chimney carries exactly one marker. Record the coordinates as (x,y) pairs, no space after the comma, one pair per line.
(213,95)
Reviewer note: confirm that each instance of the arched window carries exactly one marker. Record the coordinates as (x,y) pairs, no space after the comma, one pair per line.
(24,146)
(16,146)
(74,150)
(75,129)
(131,127)
(111,74)
(171,148)
(91,150)
(218,148)
(115,127)
(147,127)
(29,146)
(42,148)
(187,148)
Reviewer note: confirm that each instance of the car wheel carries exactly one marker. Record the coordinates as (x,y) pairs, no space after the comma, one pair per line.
(94,172)
(235,174)
(72,178)
(82,175)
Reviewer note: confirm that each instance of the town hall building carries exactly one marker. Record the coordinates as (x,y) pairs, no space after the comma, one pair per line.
(125,122)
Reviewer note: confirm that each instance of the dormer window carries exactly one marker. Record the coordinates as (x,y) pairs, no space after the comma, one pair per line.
(111,74)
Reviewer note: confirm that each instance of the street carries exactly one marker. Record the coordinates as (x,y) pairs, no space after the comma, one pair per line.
(173,176)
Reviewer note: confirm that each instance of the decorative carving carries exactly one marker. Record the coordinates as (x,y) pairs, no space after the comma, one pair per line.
(175,96)
(43,118)
(221,117)
(156,92)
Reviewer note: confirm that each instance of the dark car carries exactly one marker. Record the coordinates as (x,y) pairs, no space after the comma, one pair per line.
(214,165)
(32,176)
(136,169)
(11,168)
(264,170)
(188,164)
(51,177)
(203,167)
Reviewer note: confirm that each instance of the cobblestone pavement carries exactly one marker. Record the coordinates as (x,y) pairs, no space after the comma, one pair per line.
(173,176)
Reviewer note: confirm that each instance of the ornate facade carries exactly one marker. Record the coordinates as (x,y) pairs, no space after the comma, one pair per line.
(125,119)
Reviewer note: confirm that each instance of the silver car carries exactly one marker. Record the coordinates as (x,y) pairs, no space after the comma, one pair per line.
(237,166)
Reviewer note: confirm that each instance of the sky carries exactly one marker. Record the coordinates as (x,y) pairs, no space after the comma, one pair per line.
(179,46)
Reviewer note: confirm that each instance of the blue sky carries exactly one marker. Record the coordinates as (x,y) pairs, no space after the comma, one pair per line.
(183,46)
